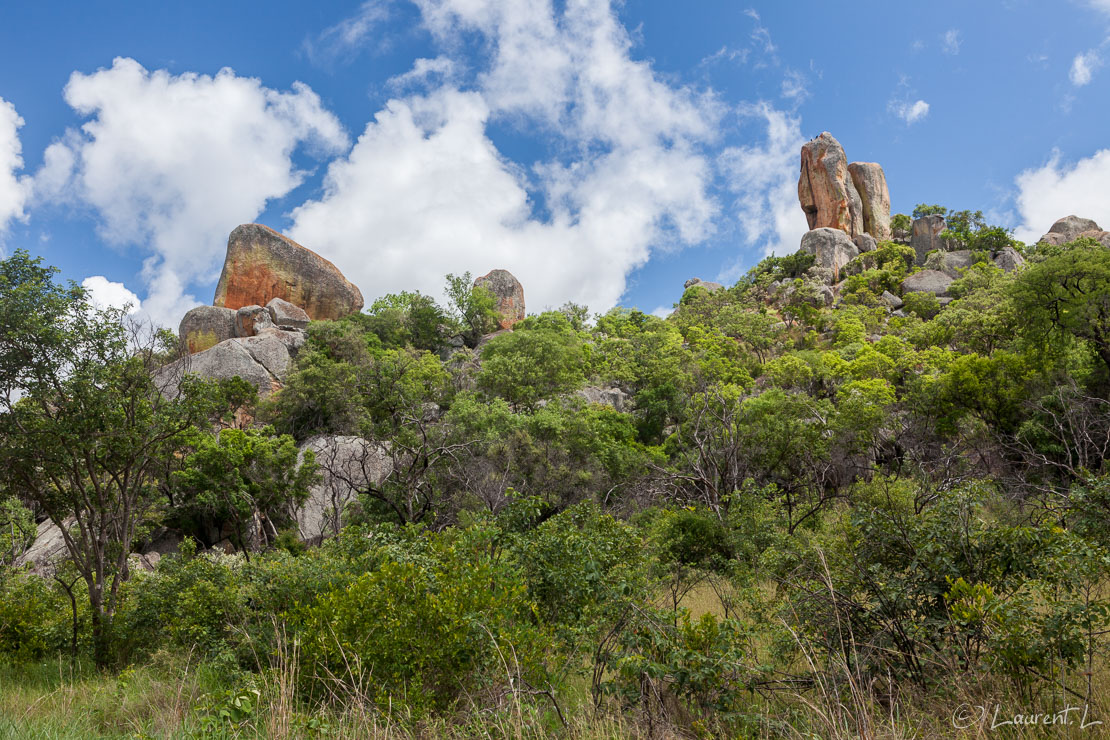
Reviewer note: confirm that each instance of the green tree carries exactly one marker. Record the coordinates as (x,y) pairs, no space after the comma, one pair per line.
(473,307)
(84,425)
(1068,294)
(543,357)
(922,210)
(235,474)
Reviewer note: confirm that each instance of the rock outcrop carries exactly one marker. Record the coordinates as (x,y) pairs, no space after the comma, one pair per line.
(927,281)
(48,549)
(926,236)
(251,320)
(509,294)
(206,326)
(952,264)
(286,315)
(825,189)
(865,243)
(262,360)
(831,247)
(261,265)
(1068,229)
(1008,259)
(612,397)
(348,465)
(711,287)
(870,182)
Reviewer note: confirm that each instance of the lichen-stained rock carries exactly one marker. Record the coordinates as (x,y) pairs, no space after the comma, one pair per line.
(927,281)
(870,182)
(250,320)
(509,294)
(285,314)
(261,265)
(825,188)
(348,465)
(926,236)
(831,247)
(206,326)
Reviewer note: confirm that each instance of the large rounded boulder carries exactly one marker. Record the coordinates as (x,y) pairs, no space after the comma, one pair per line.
(261,265)
(509,294)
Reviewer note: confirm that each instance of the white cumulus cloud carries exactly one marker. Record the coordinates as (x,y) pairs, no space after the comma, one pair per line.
(172,164)
(425,190)
(103,292)
(13,189)
(1083,68)
(910,112)
(764,178)
(1059,189)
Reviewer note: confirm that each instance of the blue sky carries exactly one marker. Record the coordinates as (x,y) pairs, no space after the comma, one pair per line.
(602,152)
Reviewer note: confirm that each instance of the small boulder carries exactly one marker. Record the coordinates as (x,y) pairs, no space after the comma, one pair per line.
(261,264)
(891,300)
(865,243)
(612,396)
(509,294)
(250,320)
(870,182)
(711,287)
(927,281)
(285,314)
(832,248)
(206,326)
(1009,259)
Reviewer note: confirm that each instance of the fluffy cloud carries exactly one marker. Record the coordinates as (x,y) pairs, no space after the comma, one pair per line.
(1083,68)
(910,112)
(764,178)
(425,190)
(104,292)
(13,189)
(173,163)
(1059,189)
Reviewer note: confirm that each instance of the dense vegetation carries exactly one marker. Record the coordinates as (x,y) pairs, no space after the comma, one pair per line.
(802,521)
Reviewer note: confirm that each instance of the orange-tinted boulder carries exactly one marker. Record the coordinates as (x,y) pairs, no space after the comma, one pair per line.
(825,189)
(261,265)
(509,294)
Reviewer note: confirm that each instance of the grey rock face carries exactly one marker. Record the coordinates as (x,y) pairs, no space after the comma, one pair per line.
(865,243)
(1009,259)
(870,182)
(285,314)
(206,326)
(927,281)
(926,236)
(612,397)
(711,287)
(48,549)
(952,264)
(250,320)
(891,300)
(1070,227)
(347,466)
(263,361)
(832,248)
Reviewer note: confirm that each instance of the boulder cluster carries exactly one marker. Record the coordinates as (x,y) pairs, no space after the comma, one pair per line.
(847,206)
